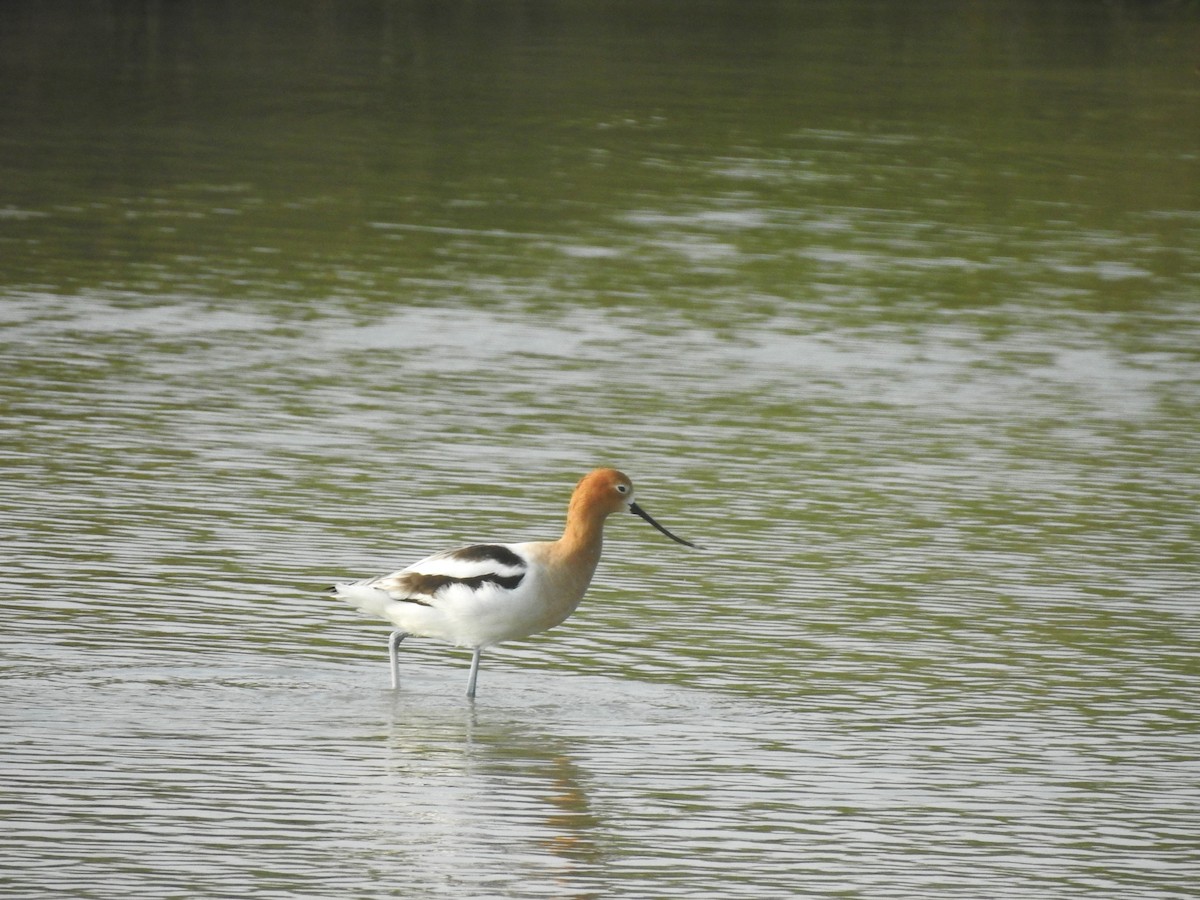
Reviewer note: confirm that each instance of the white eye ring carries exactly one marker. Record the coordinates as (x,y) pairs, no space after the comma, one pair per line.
(622,489)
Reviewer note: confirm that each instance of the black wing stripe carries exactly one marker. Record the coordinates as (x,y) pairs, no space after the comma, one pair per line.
(428,585)
(496,553)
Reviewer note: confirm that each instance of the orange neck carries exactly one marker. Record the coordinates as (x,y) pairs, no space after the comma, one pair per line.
(583,536)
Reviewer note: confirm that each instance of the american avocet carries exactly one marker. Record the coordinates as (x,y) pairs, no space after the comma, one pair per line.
(484,594)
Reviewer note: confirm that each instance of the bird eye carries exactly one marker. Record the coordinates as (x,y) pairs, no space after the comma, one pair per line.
(622,489)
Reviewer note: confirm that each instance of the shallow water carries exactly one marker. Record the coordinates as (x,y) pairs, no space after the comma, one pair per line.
(894,315)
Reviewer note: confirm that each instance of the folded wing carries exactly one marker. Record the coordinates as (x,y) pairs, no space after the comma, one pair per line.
(479,567)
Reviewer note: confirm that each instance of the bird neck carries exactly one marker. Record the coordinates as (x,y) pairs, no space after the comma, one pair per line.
(583,539)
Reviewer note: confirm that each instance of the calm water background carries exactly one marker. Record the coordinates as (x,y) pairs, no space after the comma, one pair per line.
(891,307)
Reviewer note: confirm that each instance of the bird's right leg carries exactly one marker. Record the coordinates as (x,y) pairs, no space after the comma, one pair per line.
(393,653)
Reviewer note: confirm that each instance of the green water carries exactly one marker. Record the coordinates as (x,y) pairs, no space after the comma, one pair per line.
(889,307)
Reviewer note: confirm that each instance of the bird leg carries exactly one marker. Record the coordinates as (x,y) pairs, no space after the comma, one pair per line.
(393,649)
(474,673)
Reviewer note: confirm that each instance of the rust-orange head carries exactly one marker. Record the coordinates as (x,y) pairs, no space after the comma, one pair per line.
(603,492)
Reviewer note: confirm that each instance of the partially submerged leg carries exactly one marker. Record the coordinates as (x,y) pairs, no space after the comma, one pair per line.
(393,650)
(474,673)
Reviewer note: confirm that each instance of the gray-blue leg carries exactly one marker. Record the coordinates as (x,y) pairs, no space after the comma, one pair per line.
(393,652)
(474,673)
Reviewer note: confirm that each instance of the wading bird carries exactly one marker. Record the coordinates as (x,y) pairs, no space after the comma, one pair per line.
(485,594)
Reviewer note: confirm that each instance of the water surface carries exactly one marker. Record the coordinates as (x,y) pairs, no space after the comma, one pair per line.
(893,312)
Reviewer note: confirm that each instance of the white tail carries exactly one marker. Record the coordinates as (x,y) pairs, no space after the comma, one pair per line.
(368,599)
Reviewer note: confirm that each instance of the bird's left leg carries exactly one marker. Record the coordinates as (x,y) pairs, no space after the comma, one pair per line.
(474,673)
(393,650)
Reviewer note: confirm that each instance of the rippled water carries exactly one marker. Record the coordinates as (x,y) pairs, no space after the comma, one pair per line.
(924,388)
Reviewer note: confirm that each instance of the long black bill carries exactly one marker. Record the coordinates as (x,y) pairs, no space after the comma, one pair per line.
(638,511)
